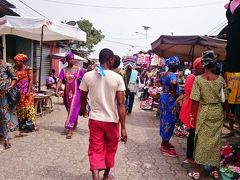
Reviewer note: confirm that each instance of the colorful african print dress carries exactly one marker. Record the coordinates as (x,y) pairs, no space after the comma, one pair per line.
(25,107)
(8,119)
(167,107)
(72,79)
(209,120)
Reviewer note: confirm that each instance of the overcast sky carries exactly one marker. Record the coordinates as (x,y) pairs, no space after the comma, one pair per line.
(121,19)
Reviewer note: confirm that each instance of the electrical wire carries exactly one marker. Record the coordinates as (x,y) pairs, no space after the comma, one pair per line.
(220,28)
(132,45)
(216,27)
(23,10)
(118,33)
(128,39)
(132,8)
(33,9)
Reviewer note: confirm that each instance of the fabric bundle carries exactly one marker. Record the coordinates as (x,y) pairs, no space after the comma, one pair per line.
(230,163)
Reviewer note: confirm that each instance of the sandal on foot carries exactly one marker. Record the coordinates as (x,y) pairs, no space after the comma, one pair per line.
(214,174)
(7,145)
(36,128)
(110,177)
(186,161)
(69,135)
(171,146)
(21,134)
(194,175)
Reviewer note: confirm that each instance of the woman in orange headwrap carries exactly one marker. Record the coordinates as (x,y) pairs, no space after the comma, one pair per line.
(186,107)
(25,107)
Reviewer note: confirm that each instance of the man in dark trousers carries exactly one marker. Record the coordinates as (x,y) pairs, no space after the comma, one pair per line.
(131,84)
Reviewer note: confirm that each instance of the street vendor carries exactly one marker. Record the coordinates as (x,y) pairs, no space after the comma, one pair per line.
(233,36)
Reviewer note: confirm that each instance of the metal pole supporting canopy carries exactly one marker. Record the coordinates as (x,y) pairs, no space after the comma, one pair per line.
(40,66)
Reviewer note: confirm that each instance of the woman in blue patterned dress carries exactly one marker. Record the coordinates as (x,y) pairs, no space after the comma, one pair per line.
(8,120)
(167,106)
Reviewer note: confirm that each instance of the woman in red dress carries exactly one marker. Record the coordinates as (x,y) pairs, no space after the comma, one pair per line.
(186,108)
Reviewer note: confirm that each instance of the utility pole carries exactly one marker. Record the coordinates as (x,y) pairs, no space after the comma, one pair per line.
(146,28)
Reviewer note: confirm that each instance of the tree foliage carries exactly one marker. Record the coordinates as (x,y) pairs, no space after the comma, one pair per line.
(94,36)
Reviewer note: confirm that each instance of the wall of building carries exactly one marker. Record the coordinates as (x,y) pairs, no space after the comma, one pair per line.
(15,45)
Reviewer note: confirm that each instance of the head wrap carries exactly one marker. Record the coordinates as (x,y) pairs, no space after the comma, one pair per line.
(209,57)
(197,64)
(68,57)
(21,58)
(174,60)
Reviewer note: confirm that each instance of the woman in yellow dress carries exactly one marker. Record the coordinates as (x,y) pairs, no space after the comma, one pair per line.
(207,93)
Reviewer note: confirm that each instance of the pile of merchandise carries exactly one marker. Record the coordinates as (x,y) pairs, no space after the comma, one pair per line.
(180,130)
(230,163)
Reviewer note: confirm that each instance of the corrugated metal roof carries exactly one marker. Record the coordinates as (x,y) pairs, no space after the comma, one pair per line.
(5,9)
(7,4)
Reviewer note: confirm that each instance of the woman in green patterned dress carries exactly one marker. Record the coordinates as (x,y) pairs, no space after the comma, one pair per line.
(206,92)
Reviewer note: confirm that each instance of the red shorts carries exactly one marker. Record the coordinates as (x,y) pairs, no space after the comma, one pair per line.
(103,143)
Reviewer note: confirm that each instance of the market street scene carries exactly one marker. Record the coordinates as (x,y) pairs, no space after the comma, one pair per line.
(119,90)
(48,154)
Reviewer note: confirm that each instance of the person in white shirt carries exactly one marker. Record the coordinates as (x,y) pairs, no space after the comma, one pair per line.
(187,72)
(105,90)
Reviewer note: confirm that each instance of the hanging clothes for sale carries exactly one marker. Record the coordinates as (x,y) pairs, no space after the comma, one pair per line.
(233,82)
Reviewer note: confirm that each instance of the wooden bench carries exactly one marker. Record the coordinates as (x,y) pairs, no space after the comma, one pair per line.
(38,104)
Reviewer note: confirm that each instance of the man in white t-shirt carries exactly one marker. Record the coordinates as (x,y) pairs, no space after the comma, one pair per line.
(105,90)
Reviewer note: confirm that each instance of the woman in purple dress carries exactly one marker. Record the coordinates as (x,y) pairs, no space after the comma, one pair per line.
(71,76)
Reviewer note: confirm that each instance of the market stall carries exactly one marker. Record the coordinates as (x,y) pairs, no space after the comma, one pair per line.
(188,48)
(39,29)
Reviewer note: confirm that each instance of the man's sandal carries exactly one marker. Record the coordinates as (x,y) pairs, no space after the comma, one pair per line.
(194,175)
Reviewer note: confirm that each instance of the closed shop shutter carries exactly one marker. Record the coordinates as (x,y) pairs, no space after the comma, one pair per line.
(46,63)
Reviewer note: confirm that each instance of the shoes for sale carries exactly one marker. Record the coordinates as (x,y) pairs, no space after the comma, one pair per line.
(181,134)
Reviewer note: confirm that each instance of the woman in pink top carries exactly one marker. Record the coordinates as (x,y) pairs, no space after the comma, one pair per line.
(186,107)
(71,76)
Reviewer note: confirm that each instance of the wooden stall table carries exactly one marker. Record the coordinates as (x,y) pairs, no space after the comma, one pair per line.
(38,104)
(48,105)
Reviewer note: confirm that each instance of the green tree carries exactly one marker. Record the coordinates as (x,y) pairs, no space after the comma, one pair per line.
(94,36)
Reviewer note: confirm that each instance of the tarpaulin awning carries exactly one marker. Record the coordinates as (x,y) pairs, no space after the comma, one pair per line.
(31,28)
(62,55)
(187,48)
